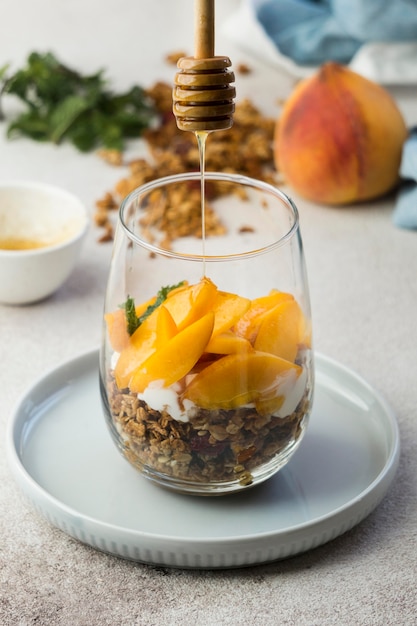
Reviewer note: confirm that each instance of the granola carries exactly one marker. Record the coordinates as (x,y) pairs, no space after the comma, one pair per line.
(246,148)
(212,447)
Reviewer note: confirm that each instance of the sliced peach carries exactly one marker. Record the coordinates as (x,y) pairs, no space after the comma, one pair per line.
(187,304)
(117,325)
(238,379)
(176,358)
(305,333)
(227,343)
(228,309)
(142,344)
(184,285)
(249,323)
(280,330)
(267,406)
(141,308)
(166,328)
(117,329)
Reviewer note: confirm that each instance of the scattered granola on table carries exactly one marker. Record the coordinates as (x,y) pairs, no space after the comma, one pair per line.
(246,148)
(173,57)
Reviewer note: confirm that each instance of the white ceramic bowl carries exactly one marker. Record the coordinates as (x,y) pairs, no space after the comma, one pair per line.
(42,228)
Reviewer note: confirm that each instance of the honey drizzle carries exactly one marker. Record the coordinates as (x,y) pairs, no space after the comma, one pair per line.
(201,136)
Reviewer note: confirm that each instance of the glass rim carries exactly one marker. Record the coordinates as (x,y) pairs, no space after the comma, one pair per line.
(218,176)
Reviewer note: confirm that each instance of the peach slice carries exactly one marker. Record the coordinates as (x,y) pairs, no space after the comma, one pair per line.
(117,329)
(239,379)
(143,343)
(176,358)
(249,323)
(188,303)
(228,309)
(280,331)
(117,325)
(227,343)
(184,285)
(166,328)
(268,406)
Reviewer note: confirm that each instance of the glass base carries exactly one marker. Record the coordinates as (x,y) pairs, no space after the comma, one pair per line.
(249,480)
(198,474)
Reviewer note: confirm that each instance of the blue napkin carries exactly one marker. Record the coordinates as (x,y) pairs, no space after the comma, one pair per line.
(312,32)
(405,212)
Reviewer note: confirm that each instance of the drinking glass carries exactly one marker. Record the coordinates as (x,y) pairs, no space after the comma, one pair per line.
(206,363)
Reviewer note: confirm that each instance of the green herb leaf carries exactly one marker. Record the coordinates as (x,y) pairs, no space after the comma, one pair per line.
(161,296)
(131,317)
(31,125)
(133,321)
(3,71)
(64,115)
(64,104)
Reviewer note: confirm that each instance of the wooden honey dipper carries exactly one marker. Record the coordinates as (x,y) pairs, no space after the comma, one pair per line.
(203,94)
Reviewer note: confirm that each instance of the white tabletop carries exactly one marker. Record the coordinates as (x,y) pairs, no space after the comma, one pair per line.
(363,281)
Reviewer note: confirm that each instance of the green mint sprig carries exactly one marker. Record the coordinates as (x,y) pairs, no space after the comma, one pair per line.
(63,104)
(133,321)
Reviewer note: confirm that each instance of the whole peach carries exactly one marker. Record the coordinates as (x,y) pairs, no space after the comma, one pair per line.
(339,138)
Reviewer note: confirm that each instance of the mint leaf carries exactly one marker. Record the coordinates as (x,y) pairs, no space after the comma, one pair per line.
(64,104)
(31,125)
(133,321)
(131,317)
(64,115)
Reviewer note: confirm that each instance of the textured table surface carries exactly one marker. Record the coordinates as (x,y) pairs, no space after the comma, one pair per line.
(363,281)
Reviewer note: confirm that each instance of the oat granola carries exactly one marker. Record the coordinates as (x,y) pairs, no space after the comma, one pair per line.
(212,447)
(246,148)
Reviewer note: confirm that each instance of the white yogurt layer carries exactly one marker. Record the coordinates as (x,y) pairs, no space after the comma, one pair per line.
(292,389)
(161,398)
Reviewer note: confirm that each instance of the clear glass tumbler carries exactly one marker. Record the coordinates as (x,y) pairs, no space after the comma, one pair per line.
(206,365)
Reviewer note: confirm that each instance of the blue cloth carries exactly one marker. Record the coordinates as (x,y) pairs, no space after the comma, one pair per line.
(314,31)
(405,213)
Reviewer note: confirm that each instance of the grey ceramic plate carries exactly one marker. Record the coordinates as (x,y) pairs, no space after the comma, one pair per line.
(63,459)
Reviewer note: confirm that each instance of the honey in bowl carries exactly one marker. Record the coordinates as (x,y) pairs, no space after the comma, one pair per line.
(34,217)
(19,243)
(41,231)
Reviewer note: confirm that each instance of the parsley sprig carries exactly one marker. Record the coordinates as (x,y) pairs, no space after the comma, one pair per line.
(62,104)
(134,321)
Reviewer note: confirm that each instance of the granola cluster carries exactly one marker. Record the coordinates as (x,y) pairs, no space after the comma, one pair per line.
(213,447)
(246,148)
